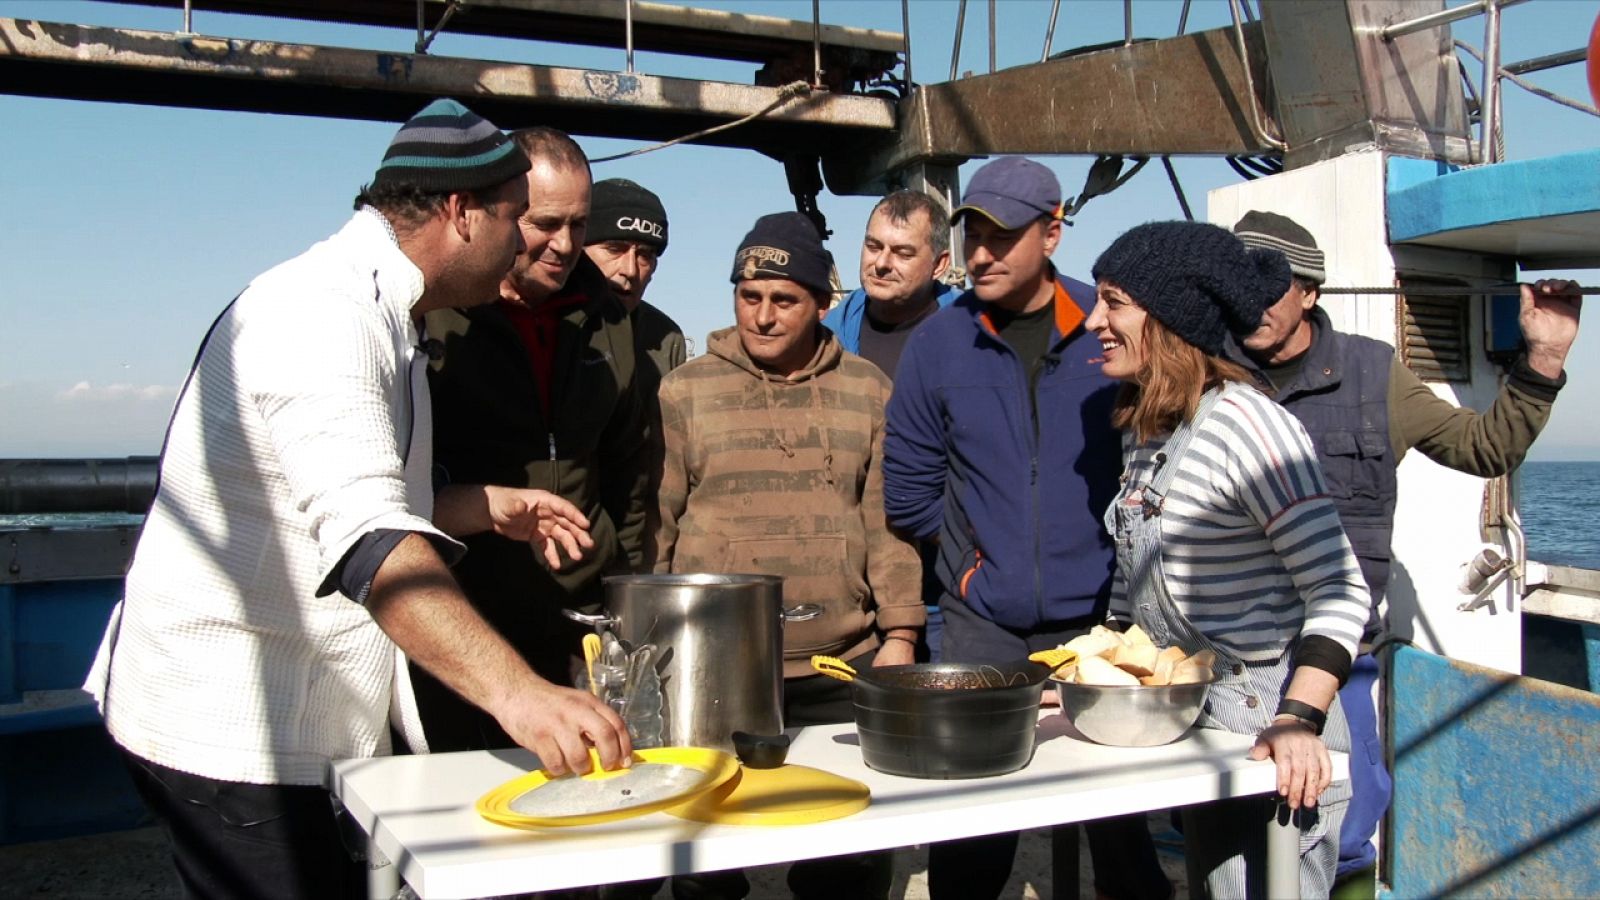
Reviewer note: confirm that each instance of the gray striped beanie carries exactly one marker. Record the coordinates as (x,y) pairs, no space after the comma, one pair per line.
(447,147)
(1270,231)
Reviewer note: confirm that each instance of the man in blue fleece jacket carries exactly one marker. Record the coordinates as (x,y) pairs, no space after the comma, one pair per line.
(999,444)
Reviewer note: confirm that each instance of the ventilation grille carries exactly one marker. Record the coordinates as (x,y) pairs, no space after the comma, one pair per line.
(1433,331)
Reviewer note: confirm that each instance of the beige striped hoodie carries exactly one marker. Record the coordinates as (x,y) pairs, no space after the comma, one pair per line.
(784,476)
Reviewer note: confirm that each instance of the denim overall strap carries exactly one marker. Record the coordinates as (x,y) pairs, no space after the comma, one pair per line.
(1134,521)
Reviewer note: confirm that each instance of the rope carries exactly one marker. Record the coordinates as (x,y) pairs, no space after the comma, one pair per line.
(786,93)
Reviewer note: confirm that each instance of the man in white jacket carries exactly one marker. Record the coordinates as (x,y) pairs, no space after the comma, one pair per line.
(294,541)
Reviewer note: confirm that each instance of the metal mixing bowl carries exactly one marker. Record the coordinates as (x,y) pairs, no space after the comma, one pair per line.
(1131,716)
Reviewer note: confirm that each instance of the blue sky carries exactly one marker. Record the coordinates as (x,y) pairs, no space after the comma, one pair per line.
(126,228)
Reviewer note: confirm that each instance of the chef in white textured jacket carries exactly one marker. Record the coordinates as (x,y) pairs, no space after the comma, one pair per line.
(295,540)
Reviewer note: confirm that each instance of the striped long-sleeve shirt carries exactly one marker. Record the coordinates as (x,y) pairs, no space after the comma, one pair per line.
(1251,546)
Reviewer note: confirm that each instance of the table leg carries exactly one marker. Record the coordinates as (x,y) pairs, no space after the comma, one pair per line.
(1283,854)
(1064,862)
(383,876)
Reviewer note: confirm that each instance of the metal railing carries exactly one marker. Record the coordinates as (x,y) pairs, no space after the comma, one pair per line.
(1491,135)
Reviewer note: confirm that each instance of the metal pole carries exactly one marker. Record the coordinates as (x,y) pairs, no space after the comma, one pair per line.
(991,36)
(1256,119)
(905,36)
(627,24)
(1283,853)
(1540,63)
(421,45)
(1127,22)
(188,18)
(816,43)
(1422,23)
(1050,30)
(1183,17)
(1442,17)
(1172,176)
(1491,81)
(955,52)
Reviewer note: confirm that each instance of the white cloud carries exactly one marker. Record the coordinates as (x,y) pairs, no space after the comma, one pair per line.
(86,391)
(83,419)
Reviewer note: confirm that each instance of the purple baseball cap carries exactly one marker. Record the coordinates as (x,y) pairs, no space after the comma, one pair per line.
(1012,191)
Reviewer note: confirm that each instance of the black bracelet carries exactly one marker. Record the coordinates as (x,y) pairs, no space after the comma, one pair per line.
(1305,712)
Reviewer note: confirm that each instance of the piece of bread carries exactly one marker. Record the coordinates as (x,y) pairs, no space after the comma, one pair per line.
(1138,660)
(1135,637)
(1093,644)
(1165,661)
(1196,669)
(1095,670)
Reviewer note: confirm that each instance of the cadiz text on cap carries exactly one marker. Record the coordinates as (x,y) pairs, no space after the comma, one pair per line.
(643,226)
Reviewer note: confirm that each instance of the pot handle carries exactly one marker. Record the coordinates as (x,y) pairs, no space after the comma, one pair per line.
(805,612)
(597,622)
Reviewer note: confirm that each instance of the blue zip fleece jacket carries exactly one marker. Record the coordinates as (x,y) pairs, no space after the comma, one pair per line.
(845,319)
(1014,489)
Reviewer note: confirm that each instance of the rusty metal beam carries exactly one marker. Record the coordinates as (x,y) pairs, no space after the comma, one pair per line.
(82,62)
(657,26)
(1178,96)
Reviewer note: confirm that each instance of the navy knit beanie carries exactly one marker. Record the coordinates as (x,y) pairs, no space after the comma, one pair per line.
(784,245)
(1197,279)
(447,147)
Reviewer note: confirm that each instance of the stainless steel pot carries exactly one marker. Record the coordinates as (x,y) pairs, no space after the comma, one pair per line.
(721,657)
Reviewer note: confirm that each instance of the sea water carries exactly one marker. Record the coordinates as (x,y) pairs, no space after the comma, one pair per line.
(1560,507)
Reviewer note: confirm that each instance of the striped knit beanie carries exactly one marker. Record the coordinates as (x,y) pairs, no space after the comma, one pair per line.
(1270,231)
(447,147)
(1196,279)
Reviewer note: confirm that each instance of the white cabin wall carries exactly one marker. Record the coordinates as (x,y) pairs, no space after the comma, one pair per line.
(1342,203)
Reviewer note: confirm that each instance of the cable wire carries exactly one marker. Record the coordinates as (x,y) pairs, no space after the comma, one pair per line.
(786,93)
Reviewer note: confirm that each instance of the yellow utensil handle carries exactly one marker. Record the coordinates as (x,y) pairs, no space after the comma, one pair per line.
(1055,659)
(591,652)
(833,667)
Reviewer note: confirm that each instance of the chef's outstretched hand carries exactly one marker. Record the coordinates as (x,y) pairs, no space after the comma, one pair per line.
(1549,320)
(1304,768)
(560,724)
(551,524)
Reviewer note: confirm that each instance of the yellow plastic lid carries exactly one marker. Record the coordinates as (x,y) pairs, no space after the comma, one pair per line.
(787,795)
(659,777)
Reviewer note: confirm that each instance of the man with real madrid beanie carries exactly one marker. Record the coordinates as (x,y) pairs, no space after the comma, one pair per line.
(774,454)
(627,238)
(1000,446)
(294,541)
(1364,408)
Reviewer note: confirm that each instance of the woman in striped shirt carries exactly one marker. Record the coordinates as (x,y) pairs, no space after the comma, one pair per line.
(1225,538)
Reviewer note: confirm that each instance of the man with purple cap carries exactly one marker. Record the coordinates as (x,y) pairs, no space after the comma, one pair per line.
(1000,446)
(295,540)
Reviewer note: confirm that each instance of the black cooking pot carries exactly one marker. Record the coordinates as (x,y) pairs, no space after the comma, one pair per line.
(948,720)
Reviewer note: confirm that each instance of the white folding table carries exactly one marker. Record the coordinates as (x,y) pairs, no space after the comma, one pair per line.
(418,812)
